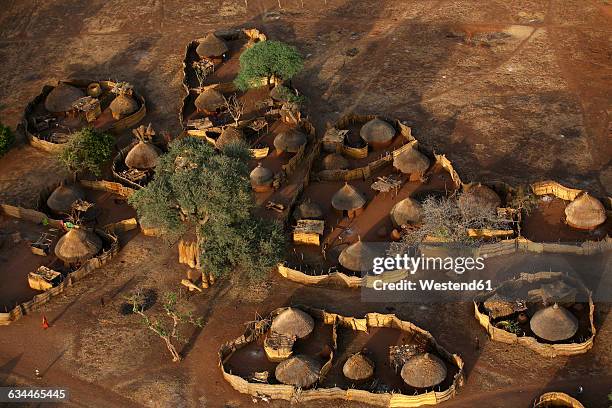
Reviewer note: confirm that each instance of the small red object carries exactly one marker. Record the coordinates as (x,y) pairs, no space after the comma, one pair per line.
(45,323)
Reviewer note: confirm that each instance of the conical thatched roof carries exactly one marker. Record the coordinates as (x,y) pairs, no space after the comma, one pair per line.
(143,156)
(261,176)
(585,212)
(62,198)
(377,131)
(358,367)
(335,161)
(290,141)
(357,257)
(229,135)
(478,195)
(123,105)
(554,323)
(423,371)
(280,93)
(411,161)
(300,371)
(347,199)
(209,100)
(211,46)
(78,245)
(293,322)
(308,210)
(60,99)
(407,211)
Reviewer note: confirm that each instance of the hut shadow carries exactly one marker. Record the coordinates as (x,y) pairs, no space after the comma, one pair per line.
(7,368)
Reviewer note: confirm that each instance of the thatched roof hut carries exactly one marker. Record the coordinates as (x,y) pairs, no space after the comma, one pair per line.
(261,177)
(411,161)
(335,161)
(358,367)
(357,257)
(424,371)
(123,105)
(280,93)
(554,323)
(293,322)
(209,100)
(348,198)
(300,371)
(290,141)
(211,46)
(63,197)
(60,99)
(308,210)
(229,135)
(143,156)
(478,195)
(78,245)
(377,132)
(407,211)
(585,212)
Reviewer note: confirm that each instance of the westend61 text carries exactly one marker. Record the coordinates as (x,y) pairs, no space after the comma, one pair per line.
(432,285)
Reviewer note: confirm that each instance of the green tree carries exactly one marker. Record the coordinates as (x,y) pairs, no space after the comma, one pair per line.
(87,150)
(195,188)
(266,59)
(7,138)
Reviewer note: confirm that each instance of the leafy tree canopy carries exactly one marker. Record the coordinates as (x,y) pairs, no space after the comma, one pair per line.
(87,150)
(7,138)
(195,187)
(266,59)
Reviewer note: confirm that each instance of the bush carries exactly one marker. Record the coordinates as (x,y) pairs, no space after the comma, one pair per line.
(266,59)
(87,150)
(7,138)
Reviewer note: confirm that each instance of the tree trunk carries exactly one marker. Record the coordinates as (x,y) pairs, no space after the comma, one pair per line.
(175,355)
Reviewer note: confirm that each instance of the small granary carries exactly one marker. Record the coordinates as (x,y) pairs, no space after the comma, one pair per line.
(478,196)
(348,199)
(61,98)
(424,371)
(407,211)
(358,367)
(308,232)
(143,156)
(209,101)
(293,322)
(230,134)
(357,257)
(78,245)
(211,47)
(585,212)
(335,161)
(123,105)
(411,161)
(308,210)
(554,323)
(262,179)
(290,141)
(377,133)
(300,371)
(63,197)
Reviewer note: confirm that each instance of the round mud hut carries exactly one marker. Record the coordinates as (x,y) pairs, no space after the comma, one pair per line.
(308,210)
(357,257)
(411,162)
(262,179)
(122,106)
(78,245)
(229,135)
(585,212)
(377,133)
(209,101)
(289,141)
(293,322)
(335,161)
(423,371)
(211,47)
(348,200)
(554,323)
(63,197)
(358,368)
(143,156)
(300,371)
(60,99)
(406,211)
(478,196)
